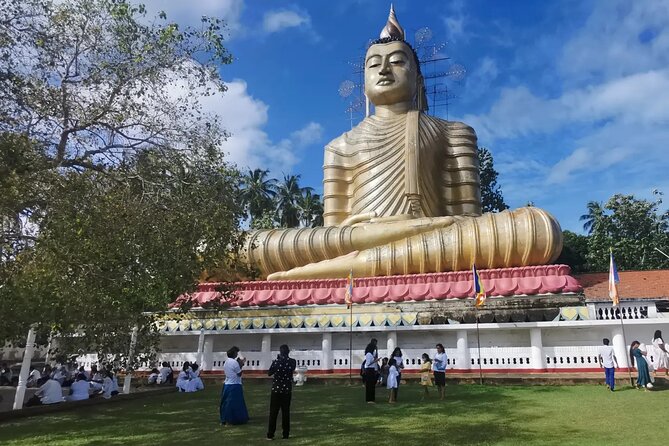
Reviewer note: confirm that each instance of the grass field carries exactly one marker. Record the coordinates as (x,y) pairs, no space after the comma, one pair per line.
(337,415)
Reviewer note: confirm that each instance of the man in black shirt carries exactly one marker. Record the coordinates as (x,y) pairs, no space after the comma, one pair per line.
(282,369)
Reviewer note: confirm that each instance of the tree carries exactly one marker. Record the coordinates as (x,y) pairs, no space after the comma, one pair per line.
(258,192)
(492,199)
(116,244)
(594,216)
(633,228)
(114,196)
(93,81)
(289,194)
(574,252)
(311,209)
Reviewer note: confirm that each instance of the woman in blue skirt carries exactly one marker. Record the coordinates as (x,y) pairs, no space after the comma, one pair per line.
(636,355)
(233,407)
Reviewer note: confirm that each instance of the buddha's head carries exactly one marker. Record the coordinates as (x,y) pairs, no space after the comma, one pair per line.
(392,71)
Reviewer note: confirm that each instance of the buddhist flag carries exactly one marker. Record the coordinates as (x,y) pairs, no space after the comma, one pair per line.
(613,280)
(348,295)
(479,291)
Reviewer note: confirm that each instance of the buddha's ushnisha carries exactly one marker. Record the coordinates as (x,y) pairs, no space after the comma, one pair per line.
(402,193)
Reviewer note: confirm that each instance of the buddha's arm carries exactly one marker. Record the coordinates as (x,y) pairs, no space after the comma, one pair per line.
(335,190)
(461,183)
(526,236)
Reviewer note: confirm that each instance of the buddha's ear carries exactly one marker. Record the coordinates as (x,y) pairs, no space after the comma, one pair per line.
(421,96)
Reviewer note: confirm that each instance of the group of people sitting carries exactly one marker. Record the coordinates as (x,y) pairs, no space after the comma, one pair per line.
(83,384)
(188,379)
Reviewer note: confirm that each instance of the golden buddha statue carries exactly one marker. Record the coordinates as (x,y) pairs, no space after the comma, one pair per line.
(402,193)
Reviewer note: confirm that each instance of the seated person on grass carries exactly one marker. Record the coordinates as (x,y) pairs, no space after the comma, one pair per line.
(80,389)
(50,392)
(166,374)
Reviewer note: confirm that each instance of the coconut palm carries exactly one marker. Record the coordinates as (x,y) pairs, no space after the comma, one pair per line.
(289,194)
(595,215)
(258,192)
(311,209)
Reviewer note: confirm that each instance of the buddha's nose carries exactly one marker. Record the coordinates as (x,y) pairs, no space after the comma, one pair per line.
(385,67)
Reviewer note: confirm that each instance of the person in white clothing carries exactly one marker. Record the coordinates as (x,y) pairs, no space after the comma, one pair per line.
(195,382)
(80,389)
(607,360)
(184,377)
(166,374)
(33,377)
(647,357)
(439,368)
(109,385)
(371,364)
(233,407)
(660,353)
(50,392)
(393,379)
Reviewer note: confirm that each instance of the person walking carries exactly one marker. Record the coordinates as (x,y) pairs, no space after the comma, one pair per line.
(607,360)
(281,370)
(643,377)
(233,407)
(439,368)
(371,364)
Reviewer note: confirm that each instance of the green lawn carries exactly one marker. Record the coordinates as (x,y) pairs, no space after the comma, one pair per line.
(337,415)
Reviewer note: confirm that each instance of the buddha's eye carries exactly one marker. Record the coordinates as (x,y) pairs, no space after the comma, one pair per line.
(374,65)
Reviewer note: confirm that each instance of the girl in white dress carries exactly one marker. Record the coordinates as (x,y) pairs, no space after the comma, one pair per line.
(659,352)
(393,376)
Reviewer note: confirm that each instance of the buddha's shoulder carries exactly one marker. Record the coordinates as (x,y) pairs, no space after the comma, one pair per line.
(368,128)
(453,127)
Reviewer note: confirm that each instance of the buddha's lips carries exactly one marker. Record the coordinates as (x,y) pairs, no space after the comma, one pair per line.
(385,82)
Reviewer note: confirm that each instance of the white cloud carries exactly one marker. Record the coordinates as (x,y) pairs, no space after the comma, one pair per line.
(455,21)
(275,21)
(249,145)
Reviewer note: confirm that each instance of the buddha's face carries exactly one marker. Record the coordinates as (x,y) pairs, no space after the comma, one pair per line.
(390,73)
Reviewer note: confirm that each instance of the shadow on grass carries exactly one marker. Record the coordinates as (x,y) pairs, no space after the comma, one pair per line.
(337,415)
(323,415)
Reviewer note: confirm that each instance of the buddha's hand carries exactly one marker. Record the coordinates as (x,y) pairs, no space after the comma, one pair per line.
(371,218)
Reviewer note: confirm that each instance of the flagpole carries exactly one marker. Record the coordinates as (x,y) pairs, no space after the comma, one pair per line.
(350,343)
(615,297)
(478,344)
(622,327)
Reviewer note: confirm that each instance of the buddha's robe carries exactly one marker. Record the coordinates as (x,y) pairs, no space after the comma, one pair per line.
(417,178)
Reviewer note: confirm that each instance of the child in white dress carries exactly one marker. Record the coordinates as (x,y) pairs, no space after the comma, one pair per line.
(393,374)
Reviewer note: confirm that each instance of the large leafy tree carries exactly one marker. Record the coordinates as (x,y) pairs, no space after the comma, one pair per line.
(492,199)
(633,228)
(574,252)
(114,198)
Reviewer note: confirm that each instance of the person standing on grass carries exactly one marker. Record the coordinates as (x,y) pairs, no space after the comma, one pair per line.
(282,369)
(233,407)
(439,368)
(383,376)
(660,354)
(608,360)
(399,363)
(393,380)
(426,374)
(643,377)
(371,364)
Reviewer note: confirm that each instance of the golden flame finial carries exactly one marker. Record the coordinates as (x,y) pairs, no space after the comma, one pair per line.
(393,27)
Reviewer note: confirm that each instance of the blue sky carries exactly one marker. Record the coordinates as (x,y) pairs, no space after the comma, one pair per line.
(571,97)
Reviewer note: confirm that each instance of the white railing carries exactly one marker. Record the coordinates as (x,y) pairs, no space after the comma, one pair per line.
(572,357)
(606,311)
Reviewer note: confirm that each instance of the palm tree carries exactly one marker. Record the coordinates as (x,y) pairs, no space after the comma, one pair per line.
(311,209)
(593,217)
(289,194)
(258,192)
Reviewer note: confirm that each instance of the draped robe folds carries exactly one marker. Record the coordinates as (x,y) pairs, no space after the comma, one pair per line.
(419,167)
